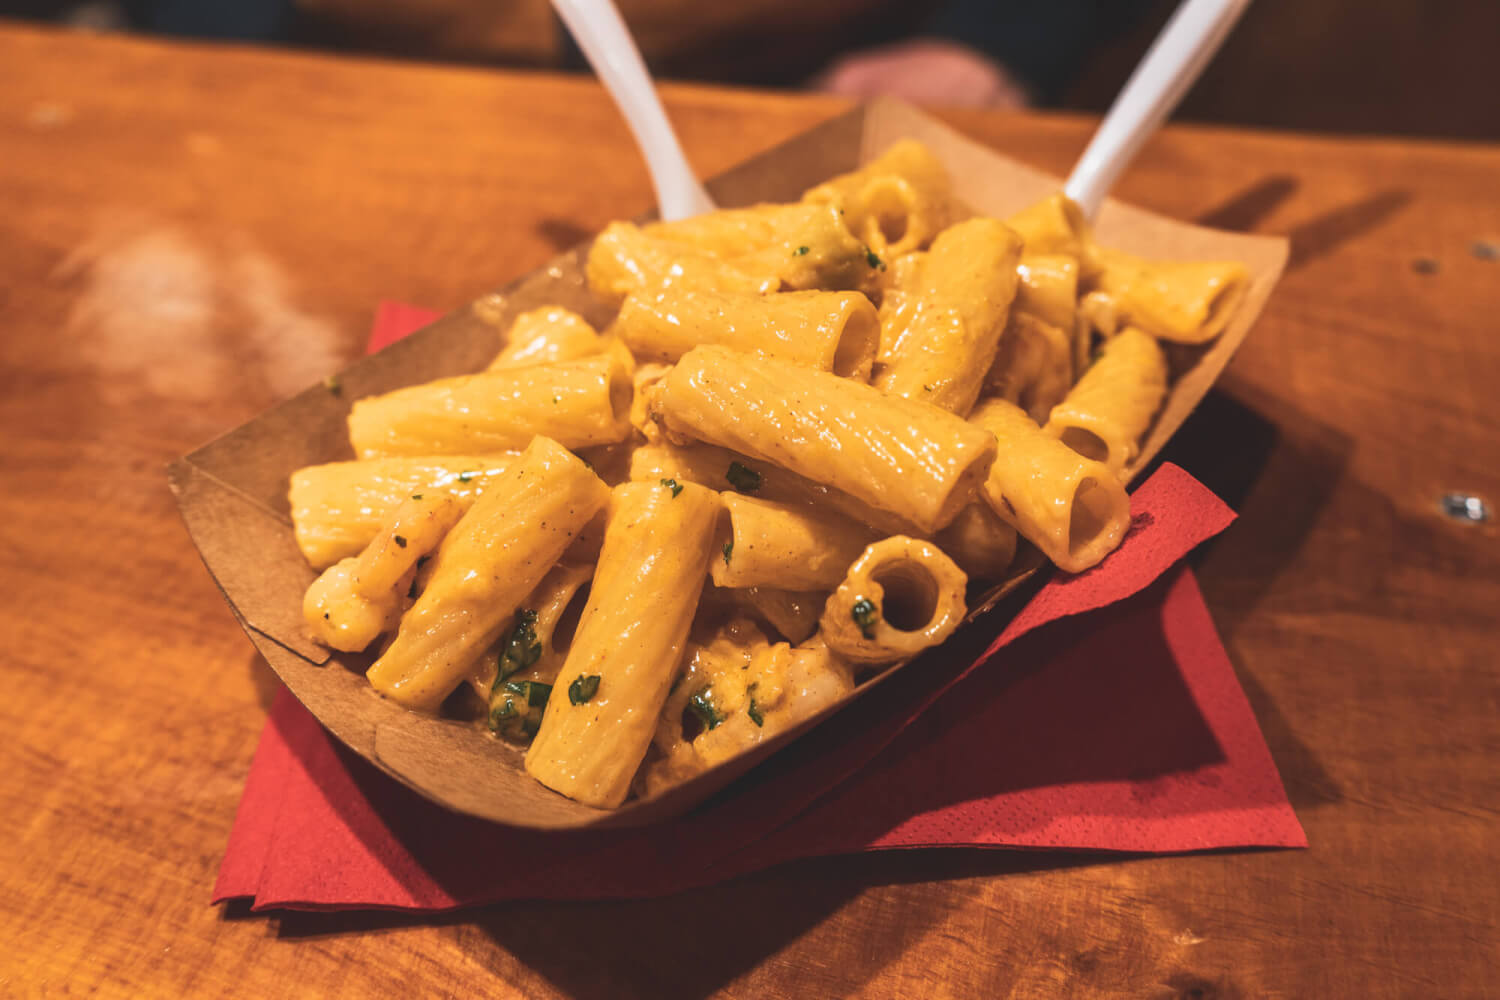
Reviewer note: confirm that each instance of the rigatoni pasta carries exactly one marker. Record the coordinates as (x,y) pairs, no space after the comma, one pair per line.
(831,331)
(610,690)
(904,456)
(1105,414)
(496,555)
(807,431)
(901,596)
(576,403)
(939,342)
(1072,508)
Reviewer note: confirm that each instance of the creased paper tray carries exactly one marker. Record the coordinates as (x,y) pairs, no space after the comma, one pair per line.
(232,492)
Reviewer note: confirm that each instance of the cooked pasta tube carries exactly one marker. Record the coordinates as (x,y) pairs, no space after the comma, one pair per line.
(1105,414)
(735,691)
(939,342)
(832,331)
(576,403)
(900,596)
(1186,301)
(546,335)
(897,202)
(517,679)
(356,599)
(722,469)
(609,693)
(1072,508)
(488,563)
(338,508)
(1048,287)
(980,541)
(904,456)
(792,613)
(623,260)
(734,232)
(1055,225)
(1033,367)
(818,252)
(767,544)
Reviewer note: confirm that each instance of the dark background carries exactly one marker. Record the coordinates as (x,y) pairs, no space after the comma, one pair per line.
(1401,67)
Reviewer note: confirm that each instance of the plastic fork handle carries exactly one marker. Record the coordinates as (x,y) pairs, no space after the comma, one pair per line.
(1174,62)
(600,32)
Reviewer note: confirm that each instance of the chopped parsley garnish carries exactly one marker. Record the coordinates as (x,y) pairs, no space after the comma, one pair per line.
(333,385)
(583,688)
(416,496)
(702,705)
(754,710)
(536,692)
(672,485)
(728,550)
(865,613)
(873,260)
(520,647)
(464,477)
(399,540)
(743,478)
(801,251)
(518,705)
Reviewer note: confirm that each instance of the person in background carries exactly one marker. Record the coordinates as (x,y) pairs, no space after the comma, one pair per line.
(978,53)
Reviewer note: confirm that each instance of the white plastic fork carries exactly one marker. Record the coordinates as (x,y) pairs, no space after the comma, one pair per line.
(1174,62)
(600,32)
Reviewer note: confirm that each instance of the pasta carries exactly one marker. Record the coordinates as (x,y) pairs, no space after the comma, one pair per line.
(576,403)
(896,203)
(495,556)
(546,335)
(1185,301)
(338,508)
(939,342)
(831,331)
(354,600)
(806,430)
(903,456)
(1072,508)
(609,693)
(789,547)
(1105,414)
(900,596)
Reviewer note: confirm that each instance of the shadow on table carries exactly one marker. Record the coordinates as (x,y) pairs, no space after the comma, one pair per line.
(1280,470)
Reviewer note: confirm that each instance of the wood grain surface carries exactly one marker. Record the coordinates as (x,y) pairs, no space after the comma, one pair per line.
(191,233)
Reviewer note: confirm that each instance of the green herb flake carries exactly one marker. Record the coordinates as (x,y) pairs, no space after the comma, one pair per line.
(873,260)
(754,713)
(416,496)
(537,694)
(701,704)
(801,251)
(865,614)
(672,485)
(401,542)
(743,478)
(333,385)
(728,550)
(464,477)
(520,647)
(583,688)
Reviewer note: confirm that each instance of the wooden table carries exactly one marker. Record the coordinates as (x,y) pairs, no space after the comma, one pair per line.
(190,233)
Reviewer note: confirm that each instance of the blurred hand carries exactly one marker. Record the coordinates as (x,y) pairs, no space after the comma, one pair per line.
(926,71)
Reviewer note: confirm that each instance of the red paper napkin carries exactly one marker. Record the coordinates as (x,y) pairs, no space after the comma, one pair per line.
(1126,731)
